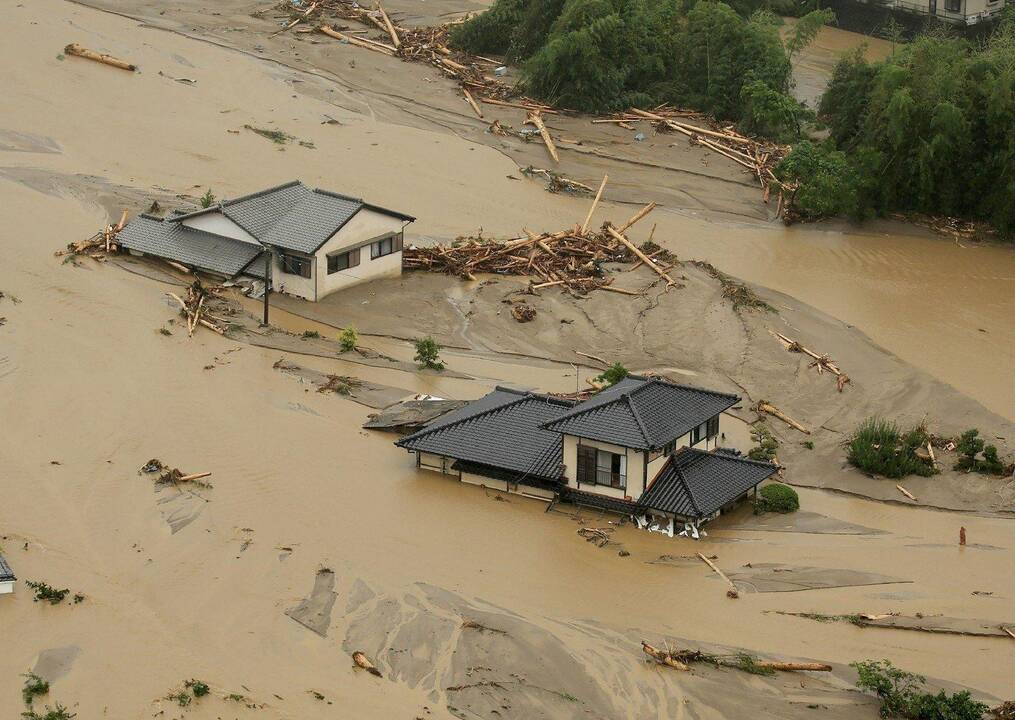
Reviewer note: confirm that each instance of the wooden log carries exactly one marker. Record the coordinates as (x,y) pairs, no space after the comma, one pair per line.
(360,42)
(595,202)
(536,119)
(472,102)
(663,658)
(642,256)
(75,49)
(637,216)
(520,106)
(391,28)
(593,357)
(361,661)
(298,20)
(176,266)
(906,492)
(210,326)
(776,412)
(610,288)
(779,665)
(195,476)
(732,592)
(1008,631)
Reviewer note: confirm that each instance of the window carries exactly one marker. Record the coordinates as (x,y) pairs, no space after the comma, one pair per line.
(670,447)
(713,426)
(385,246)
(601,467)
(699,433)
(953,6)
(295,264)
(343,261)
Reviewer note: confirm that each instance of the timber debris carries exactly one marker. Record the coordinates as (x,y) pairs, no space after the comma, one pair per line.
(732,593)
(98,245)
(193,308)
(764,406)
(77,50)
(172,476)
(736,292)
(571,259)
(682,659)
(600,537)
(821,362)
(362,662)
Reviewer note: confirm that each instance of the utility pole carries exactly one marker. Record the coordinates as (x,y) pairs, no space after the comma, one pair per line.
(267,282)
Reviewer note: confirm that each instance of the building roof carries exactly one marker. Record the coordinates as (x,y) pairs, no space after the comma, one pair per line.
(504,429)
(6,574)
(642,413)
(695,483)
(196,248)
(292,216)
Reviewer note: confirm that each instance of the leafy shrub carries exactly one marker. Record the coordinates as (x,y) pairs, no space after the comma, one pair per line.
(208,199)
(902,695)
(34,686)
(880,448)
(969,446)
(347,340)
(613,374)
(59,712)
(767,444)
(828,183)
(428,353)
(45,591)
(777,498)
(489,33)
(199,688)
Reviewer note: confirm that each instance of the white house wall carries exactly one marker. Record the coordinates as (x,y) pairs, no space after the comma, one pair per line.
(364,225)
(219,224)
(7,586)
(635,468)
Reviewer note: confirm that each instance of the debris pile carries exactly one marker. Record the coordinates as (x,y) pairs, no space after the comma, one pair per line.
(196,311)
(98,245)
(600,537)
(523,312)
(172,476)
(571,259)
(821,362)
(681,660)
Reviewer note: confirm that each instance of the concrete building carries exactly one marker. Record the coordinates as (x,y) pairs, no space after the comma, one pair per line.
(313,242)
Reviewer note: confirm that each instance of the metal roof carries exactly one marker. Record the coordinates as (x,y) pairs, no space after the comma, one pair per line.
(642,413)
(192,247)
(292,216)
(695,483)
(6,573)
(504,429)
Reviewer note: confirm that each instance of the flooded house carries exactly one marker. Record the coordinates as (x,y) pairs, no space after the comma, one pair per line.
(644,447)
(7,578)
(306,241)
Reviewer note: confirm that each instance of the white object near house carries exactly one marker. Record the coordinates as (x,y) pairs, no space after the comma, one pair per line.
(7,578)
(315,241)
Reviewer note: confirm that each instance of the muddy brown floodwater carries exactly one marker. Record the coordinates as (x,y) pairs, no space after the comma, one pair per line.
(318,538)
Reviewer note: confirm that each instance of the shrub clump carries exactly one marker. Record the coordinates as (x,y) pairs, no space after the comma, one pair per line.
(59,712)
(777,498)
(34,686)
(969,446)
(767,444)
(613,374)
(47,593)
(428,353)
(902,695)
(347,340)
(878,447)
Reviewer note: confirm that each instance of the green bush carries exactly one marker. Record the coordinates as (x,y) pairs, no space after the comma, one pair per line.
(613,374)
(878,447)
(208,199)
(969,446)
(199,688)
(347,340)
(34,686)
(902,695)
(45,591)
(828,184)
(59,712)
(767,444)
(428,353)
(777,498)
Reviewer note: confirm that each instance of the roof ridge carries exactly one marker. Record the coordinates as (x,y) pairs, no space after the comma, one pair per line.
(424,431)
(259,193)
(637,417)
(683,481)
(340,196)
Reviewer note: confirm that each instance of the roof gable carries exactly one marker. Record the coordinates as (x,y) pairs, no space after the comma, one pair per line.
(642,413)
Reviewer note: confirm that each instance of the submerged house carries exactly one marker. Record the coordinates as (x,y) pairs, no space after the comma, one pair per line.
(644,447)
(311,242)
(7,578)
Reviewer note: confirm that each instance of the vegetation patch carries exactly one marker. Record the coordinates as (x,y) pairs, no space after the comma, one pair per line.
(46,592)
(34,686)
(777,498)
(57,712)
(733,290)
(767,445)
(878,447)
(348,339)
(428,353)
(208,199)
(969,447)
(902,695)
(613,375)
(276,136)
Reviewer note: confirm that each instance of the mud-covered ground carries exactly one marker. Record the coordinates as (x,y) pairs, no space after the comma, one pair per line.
(317,538)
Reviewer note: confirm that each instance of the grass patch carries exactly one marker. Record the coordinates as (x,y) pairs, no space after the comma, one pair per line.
(199,688)
(276,136)
(879,447)
(733,290)
(969,446)
(310,334)
(348,339)
(748,664)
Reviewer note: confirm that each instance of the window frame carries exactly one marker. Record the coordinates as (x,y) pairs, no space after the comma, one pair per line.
(352,259)
(303,262)
(395,243)
(949,6)
(593,473)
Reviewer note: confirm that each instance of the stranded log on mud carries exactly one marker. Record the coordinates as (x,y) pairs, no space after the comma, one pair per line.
(75,49)
(681,659)
(361,662)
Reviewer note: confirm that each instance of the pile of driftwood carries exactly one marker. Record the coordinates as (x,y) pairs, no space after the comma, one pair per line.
(758,156)
(571,259)
(196,310)
(822,362)
(99,244)
(682,659)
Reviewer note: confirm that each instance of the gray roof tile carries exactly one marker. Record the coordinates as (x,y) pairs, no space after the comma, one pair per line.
(308,225)
(642,413)
(6,573)
(196,248)
(694,483)
(503,430)
(258,212)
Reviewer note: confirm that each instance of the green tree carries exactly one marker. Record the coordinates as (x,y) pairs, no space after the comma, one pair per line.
(428,353)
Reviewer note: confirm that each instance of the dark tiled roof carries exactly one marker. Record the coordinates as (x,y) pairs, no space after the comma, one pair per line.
(5,571)
(695,483)
(642,413)
(196,248)
(502,430)
(292,216)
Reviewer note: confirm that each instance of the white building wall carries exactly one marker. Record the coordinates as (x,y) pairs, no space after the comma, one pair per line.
(7,586)
(219,224)
(635,468)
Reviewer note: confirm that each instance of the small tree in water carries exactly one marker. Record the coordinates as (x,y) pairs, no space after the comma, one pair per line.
(428,353)
(347,340)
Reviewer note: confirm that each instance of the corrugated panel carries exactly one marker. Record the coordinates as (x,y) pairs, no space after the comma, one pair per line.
(196,248)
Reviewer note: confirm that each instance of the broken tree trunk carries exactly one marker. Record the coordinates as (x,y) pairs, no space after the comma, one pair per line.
(778,665)
(595,202)
(535,118)
(663,658)
(391,28)
(766,407)
(732,592)
(361,661)
(906,492)
(75,49)
(637,216)
(360,42)
(472,102)
(640,255)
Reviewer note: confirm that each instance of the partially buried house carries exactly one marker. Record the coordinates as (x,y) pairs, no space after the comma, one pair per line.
(645,447)
(7,578)
(314,241)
